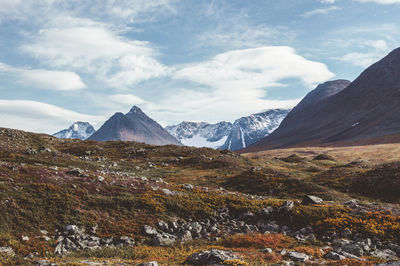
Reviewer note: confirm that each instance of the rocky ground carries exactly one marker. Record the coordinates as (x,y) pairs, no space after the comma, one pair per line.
(74,202)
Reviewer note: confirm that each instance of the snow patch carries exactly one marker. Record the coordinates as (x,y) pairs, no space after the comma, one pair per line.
(200,142)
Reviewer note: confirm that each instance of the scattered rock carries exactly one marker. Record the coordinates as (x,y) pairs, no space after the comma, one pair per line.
(211,257)
(287,206)
(8,251)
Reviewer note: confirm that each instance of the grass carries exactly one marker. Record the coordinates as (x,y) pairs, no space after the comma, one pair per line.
(36,193)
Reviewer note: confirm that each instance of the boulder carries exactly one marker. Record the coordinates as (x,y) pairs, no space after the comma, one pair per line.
(7,251)
(334,256)
(164,239)
(210,257)
(309,200)
(297,256)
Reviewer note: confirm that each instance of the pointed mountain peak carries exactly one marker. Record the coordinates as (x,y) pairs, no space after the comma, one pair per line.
(135,110)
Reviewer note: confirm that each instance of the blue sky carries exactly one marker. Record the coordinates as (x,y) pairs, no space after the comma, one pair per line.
(62,61)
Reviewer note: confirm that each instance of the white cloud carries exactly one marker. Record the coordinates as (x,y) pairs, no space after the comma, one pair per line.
(320,11)
(118,61)
(255,69)
(44,79)
(235,84)
(371,51)
(126,99)
(382,2)
(327,1)
(40,117)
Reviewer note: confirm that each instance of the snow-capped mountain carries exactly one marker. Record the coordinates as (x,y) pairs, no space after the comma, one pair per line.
(78,130)
(225,135)
(201,134)
(250,129)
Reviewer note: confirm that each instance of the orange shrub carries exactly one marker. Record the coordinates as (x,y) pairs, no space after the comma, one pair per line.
(257,241)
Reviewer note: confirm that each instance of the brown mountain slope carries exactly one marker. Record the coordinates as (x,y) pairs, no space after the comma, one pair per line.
(366,110)
(134,126)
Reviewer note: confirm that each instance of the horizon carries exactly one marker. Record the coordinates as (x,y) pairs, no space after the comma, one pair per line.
(206,61)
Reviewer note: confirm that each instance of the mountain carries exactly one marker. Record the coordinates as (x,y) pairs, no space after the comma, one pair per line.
(225,135)
(201,134)
(367,111)
(78,130)
(247,130)
(134,126)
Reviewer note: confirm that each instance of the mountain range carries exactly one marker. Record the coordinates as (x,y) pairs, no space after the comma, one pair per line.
(224,135)
(365,111)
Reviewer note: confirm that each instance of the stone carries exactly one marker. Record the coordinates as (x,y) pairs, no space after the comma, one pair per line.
(167,192)
(297,256)
(188,187)
(8,251)
(266,250)
(185,236)
(127,241)
(148,230)
(76,172)
(150,263)
(334,256)
(25,238)
(309,200)
(287,206)
(386,254)
(164,239)
(210,257)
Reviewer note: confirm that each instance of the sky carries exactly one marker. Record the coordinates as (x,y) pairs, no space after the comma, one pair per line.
(179,60)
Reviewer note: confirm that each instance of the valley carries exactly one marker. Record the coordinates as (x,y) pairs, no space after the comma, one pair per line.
(73,201)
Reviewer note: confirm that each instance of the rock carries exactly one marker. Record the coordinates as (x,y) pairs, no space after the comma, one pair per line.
(185,236)
(76,172)
(148,230)
(334,256)
(266,250)
(167,192)
(297,256)
(8,251)
(287,206)
(25,238)
(309,200)
(210,257)
(127,241)
(164,239)
(150,263)
(350,256)
(100,178)
(188,187)
(386,254)
(31,151)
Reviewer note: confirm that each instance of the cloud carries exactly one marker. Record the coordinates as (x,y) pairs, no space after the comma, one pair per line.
(118,61)
(320,11)
(44,79)
(127,99)
(235,83)
(382,2)
(40,117)
(372,51)
(327,1)
(254,69)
